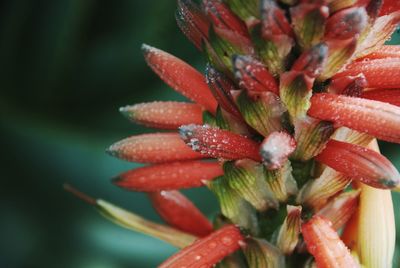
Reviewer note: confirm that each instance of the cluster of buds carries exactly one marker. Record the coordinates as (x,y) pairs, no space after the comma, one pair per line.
(282,129)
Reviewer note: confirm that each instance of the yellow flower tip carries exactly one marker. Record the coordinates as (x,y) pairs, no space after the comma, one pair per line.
(376,231)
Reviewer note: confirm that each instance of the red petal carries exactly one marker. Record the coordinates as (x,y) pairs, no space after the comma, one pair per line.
(360,163)
(273,21)
(164,114)
(219,143)
(391,96)
(223,18)
(221,87)
(253,75)
(389,6)
(312,61)
(179,212)
(153,148)
(383,52)
(206,252)
(380,73)
(192,22)
(171,176)
(180,76)
(376,118)
(325,245)
(348,85)
(346,23)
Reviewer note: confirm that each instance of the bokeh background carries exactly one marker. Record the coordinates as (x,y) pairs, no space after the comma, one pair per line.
(65,68)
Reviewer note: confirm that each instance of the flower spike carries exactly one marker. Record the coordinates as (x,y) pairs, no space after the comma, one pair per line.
(153,148)
(325,245)
(376,118)
(171,176)
(219,143)
(360,163)
(179,212)
(164,114)
(180,76)
(207,251)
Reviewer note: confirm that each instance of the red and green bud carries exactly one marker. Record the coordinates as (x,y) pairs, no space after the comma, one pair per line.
(316,193)
(295,92)
(245,177)
(289,232)
(281,182)
(340,53)
(261,253)
(311,136)
(233,206)
(171,176)
(262,111)
(309,22)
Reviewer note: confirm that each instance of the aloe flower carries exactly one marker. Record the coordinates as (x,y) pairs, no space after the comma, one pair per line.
(279,126)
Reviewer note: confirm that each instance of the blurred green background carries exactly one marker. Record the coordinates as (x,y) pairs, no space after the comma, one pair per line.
(65,68)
